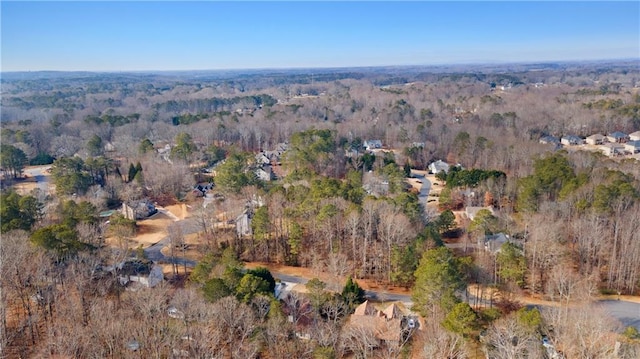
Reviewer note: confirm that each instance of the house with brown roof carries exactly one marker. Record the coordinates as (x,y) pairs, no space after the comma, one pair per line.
(388,325)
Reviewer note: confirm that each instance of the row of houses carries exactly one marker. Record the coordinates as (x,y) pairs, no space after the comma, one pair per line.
(613,144)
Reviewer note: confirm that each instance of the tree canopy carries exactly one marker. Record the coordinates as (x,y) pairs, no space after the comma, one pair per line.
(438,277)
(12,160)
(18,212)
(234,173)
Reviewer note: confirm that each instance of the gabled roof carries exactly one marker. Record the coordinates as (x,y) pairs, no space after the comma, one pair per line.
(392,311)
(494,242)
(365,308)
(596,136)
(618,134)
(439,165)
(549,139)
(572,138)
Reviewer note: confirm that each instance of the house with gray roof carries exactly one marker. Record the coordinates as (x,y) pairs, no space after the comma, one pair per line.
(617,137)
(632,146)
(439,166)
(571,140)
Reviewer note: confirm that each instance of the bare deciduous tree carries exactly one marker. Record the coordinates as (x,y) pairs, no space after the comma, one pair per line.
(506,339)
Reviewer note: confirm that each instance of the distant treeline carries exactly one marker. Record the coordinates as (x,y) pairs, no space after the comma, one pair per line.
(215,104)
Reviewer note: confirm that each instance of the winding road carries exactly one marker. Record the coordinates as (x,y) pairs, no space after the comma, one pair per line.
(154,252)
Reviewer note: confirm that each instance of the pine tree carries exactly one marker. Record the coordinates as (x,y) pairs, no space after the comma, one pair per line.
(352,293)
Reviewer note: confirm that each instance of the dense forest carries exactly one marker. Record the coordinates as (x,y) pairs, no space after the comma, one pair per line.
(290,152)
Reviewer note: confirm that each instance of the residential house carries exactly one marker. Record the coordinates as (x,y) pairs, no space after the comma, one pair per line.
(439,166)
(298,311)
(632,146)
(492,243)
(417,144)
(136,210)
(265,173)
(165,152)
(617,137)
(388,325)
(612,149)
(596,139)
(571,140)
(143,272)
(634,136)
(376,187)
(372,145)
(262,159)
(202,188)
(243,223)
(549,140)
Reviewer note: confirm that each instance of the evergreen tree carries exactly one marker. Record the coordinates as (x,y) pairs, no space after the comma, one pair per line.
(12,160)
(352,293)
(438,277)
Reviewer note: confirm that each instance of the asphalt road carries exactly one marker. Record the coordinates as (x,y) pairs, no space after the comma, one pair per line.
(40,175)
(154,252)
(628,313)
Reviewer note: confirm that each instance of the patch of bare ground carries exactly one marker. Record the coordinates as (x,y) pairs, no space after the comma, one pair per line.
(24,186)
(153,229)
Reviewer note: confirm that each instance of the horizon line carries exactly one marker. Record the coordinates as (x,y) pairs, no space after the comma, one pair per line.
(470,63)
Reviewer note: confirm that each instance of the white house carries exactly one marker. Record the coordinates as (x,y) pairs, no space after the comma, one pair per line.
(145,273)
(372,145)
(632,146)
(612,149)
(439,166)
(596,139)
(634,136)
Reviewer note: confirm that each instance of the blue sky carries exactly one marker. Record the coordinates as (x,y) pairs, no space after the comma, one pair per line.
(137,36)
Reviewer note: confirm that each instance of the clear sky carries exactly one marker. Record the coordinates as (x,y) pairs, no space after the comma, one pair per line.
(209,35)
